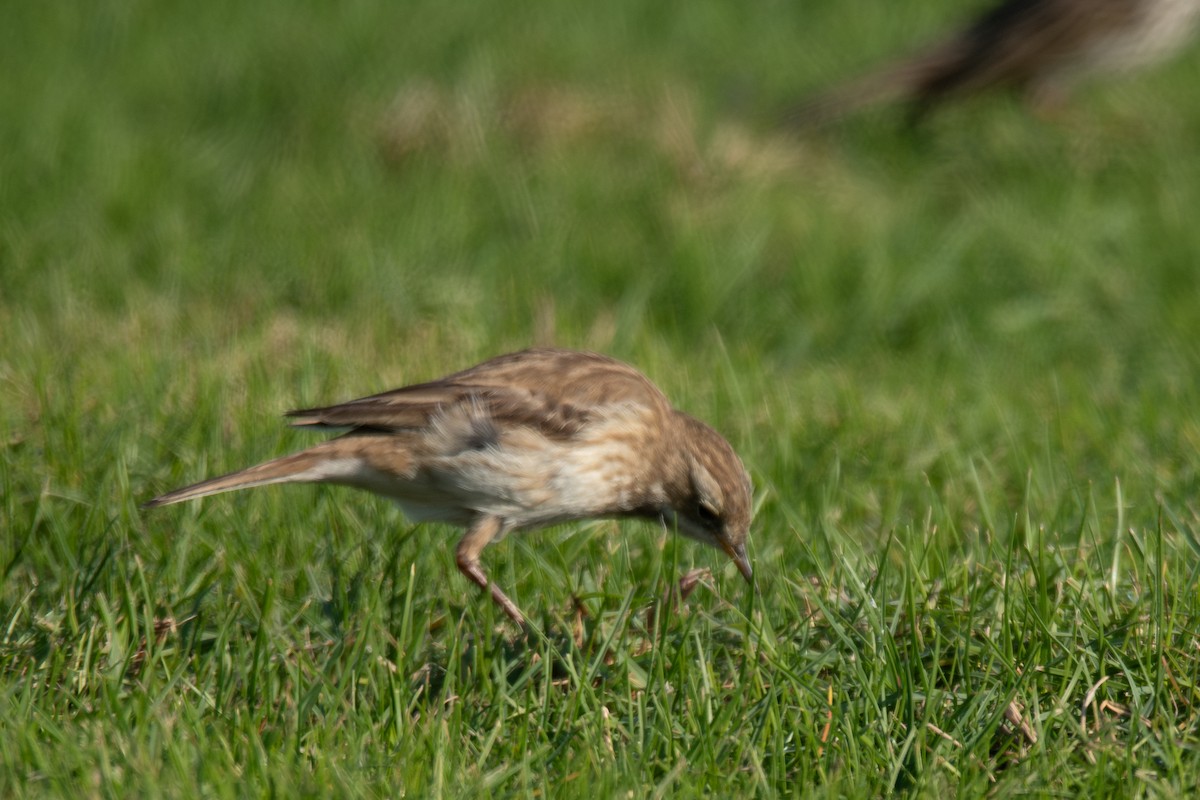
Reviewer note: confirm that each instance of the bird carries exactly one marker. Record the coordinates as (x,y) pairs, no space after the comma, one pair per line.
(1039,48)
(522,441)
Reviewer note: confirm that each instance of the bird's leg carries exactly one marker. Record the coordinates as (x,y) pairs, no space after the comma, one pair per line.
(467,557)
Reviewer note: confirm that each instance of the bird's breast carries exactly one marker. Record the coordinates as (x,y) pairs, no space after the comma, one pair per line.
(532,481)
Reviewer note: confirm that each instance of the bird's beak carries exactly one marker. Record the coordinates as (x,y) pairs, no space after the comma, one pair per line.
(738,554)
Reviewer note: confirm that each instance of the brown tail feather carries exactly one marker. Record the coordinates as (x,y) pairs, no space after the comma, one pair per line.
(900,81)
(286,469)
(828,107)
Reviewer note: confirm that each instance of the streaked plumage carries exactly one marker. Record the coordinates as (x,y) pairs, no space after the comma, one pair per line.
(518,442)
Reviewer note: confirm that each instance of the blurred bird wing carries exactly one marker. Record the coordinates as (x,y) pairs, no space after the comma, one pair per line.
(1017,40)
(1013,43)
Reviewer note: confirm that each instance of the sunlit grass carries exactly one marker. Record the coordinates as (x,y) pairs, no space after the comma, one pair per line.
(960,366)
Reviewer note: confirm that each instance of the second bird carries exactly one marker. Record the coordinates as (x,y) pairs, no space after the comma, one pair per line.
(523,441)
(1039,48)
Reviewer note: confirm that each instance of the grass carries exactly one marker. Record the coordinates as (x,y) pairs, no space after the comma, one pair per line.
(960,365)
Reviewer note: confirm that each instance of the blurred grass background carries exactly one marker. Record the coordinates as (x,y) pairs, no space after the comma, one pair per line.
(960,365)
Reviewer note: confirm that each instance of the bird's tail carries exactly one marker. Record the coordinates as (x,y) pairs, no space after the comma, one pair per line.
(900,81)
(308,466)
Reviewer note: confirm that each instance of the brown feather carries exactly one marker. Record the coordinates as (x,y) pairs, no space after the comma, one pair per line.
(284,469)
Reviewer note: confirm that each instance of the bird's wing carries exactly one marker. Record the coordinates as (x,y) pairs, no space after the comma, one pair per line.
(1017,40)
(556,392)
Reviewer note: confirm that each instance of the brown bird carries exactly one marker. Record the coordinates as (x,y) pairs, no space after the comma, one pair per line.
(1038,48)
(523,441)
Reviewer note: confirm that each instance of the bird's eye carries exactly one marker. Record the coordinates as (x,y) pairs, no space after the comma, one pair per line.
(707,513)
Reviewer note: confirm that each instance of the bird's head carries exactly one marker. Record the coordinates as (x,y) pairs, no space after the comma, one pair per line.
(712,503)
